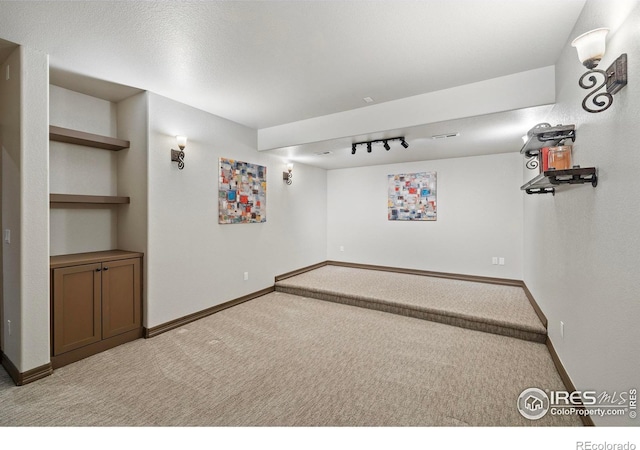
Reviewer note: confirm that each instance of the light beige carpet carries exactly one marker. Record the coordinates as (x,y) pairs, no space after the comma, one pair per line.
(285,360)
(479,306)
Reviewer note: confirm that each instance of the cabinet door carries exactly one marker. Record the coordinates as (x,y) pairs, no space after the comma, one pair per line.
(121,297)
(76,307)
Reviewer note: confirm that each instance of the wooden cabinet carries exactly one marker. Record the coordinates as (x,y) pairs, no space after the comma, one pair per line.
(76,307)
(120,297)
(95,302)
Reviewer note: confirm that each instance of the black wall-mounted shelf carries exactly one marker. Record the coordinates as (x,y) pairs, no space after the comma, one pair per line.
(544,135)
(547,182)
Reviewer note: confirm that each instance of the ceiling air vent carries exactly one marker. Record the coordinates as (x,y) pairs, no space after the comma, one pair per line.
(445,136)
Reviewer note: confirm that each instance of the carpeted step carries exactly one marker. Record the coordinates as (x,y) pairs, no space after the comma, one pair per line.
(491,308)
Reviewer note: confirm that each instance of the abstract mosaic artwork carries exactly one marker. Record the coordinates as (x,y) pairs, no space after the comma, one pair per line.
(242,192)
(412,196)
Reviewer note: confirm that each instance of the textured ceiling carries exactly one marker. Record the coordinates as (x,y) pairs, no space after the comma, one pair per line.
(264,63)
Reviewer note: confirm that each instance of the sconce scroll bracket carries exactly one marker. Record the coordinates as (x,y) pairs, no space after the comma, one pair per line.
(614,78)
(178,156)
(532,162)
(602,100)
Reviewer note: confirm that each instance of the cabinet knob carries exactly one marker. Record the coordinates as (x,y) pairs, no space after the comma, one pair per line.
(98,270)
(105,269)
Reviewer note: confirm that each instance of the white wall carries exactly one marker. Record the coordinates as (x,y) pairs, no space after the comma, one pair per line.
(4,108)
(10,121)
(582,246)
(479,216)
(133,125)
(25,202)
(34,188)
(195,263)
(78,169)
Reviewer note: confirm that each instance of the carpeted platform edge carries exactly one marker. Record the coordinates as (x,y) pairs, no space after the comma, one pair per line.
(424,314)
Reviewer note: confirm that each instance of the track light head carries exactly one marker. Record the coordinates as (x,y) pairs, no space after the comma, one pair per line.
(404,143)
(353,149)
(386,146)
(368,147)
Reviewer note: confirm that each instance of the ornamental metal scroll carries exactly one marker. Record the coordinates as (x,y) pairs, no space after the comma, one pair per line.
(602,100)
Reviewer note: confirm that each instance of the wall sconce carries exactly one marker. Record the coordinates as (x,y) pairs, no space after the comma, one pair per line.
(591,48)
(288,175)
(178,155)
(387,147)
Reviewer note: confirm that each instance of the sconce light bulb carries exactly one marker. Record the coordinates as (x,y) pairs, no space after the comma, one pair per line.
(591,46)
(182,141)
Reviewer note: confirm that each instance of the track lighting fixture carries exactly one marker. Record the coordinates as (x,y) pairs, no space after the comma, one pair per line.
(383,141)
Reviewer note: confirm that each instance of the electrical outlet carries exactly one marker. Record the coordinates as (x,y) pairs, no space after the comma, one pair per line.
(342,248)
(562,329)
(501,261)
(494,260)
(246,276)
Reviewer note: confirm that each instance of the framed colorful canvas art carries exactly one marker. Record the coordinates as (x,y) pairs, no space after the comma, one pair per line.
(242,192)
(412,196)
